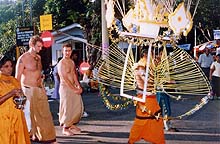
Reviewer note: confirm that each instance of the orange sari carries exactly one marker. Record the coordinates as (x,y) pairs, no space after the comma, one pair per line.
(13,128)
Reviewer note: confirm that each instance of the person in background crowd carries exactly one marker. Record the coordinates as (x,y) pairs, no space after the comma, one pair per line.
(13,128)
(205,60)
(90,79)
(215,77)
(217,38)
(71,104)
(28,72)
(164,100)
(74,57)
(56,77)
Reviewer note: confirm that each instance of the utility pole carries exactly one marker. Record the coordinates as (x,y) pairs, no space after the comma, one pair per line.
(105,40)
(194,42)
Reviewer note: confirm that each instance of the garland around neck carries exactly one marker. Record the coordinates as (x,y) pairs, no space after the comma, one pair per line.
(35,56)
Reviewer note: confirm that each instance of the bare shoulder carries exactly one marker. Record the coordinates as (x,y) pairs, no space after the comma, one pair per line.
(64,62)
(22,58)
(61,63)
(65,65)
(25,55)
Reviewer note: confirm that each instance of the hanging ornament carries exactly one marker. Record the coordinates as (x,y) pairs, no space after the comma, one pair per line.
(180,20)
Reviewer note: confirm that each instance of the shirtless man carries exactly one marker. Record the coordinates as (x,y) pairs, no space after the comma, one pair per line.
(71,105)
(28,72)
(147,124)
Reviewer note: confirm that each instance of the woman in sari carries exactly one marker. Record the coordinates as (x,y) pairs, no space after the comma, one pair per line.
(13,128)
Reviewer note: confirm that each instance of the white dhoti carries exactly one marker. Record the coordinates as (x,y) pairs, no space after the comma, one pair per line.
(27,114)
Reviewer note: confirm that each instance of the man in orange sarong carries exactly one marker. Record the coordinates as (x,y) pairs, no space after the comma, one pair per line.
(147,125)
(13,128)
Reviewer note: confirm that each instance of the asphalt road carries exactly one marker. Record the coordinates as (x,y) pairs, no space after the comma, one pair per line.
(103,126)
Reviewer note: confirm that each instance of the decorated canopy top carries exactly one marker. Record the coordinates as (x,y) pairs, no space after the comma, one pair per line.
(147,18)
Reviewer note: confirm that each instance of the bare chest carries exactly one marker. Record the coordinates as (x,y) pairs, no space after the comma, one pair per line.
(32,64)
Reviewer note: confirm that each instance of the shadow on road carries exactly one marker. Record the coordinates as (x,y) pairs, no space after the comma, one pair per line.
(103,126)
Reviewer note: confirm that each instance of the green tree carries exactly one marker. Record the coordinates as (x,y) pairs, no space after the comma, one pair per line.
(82,11)
(7,12)
(207,19)
(7,36)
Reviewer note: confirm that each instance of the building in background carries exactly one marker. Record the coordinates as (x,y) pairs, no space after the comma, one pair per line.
(73,34)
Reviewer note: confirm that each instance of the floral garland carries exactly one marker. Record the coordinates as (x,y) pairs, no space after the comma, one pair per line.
(197,107)
(111,101)
(121,103)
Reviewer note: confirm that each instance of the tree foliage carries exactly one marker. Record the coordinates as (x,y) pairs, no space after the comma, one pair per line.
(207,19)
(82,11)
(67,12)
(7,36)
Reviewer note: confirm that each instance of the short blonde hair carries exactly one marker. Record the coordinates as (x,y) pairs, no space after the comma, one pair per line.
(34,39)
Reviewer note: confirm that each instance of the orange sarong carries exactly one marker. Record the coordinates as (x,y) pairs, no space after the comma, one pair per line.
(13,128)
(145,126)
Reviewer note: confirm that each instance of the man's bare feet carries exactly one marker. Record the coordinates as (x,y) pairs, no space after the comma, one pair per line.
(75,131)
(34,138)
(67,132)
(75,127)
